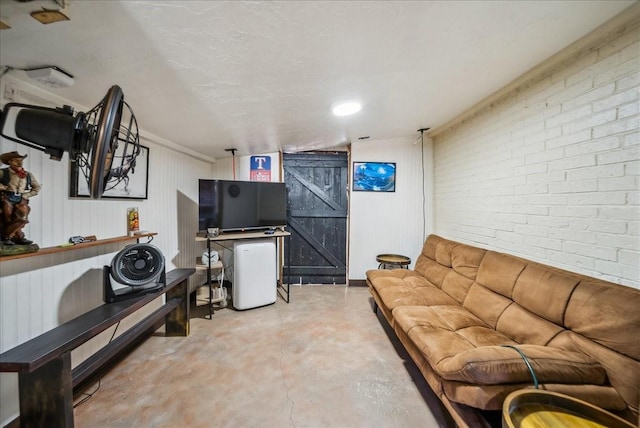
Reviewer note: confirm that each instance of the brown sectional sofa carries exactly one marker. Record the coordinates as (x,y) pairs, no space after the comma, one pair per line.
(464,313)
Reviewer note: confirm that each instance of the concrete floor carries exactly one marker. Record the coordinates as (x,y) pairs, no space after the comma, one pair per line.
(324,360)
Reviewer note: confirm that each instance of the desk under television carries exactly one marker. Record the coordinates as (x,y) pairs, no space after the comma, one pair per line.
(233,236)
(276,235)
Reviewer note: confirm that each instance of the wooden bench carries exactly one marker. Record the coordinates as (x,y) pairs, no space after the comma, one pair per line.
(43,364)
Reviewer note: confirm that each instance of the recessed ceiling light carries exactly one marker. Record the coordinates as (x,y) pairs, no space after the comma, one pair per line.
(346,108)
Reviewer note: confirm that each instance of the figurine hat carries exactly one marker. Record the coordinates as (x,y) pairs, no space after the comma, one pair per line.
(6,157)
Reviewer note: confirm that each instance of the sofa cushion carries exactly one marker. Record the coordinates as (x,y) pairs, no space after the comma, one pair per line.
(390,273)
(597,308)
(492,365)
(544,291)
(499,272)
(407,295)
(466,260)
(491,397)
(432,270)
(461,347)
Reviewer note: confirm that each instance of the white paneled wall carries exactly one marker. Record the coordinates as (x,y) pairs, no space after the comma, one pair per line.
(41,292)
(391,222)
(551,170)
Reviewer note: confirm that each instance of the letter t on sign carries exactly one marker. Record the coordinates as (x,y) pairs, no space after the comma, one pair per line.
(260,168)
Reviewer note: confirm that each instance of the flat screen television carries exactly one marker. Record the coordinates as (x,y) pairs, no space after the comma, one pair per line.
(232,205)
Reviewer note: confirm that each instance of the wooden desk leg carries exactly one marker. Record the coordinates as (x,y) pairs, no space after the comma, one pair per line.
(177,321)
(46,395)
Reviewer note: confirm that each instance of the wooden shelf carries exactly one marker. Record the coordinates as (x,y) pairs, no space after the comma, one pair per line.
(201,266)
(59,249)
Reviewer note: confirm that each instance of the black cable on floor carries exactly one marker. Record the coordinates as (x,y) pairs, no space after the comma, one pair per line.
(89,395)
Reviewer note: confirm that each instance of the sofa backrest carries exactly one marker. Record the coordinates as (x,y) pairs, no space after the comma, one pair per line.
(449,265)
(538,304)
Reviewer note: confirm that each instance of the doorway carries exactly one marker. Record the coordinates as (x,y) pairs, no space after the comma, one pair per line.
(317,209)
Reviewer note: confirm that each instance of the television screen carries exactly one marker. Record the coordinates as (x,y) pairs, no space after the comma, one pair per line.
(240,205)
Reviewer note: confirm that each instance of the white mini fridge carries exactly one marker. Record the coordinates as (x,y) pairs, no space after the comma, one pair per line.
(254,273)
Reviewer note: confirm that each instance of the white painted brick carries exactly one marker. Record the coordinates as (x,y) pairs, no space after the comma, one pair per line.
(552,244)
(619,156)
(590,96)
(629,257)
(573,211)
(593,146)
(574,186)
(541,137)
(541,90)
(548,199)
(509,236)
(569,116)
(618,213)
(525,178)
(630,81)
(509,107)
(617,241)
(549,177)
(531,188)
(600,171)
(571,235)
(608,198)
(609,268)
(568,139)
(543,115)
(628,110)
(613,272)
(546,221)
(571,91)
(616,72)
(592,122)
(573,162)
(536,168)
(571,261)
(522,132)
(615,46)
(579,223)
(616,100)
(576,67)
(632,168)
(527,230)
(618,183)
(545,156)
(633,198)
(629,52)
(631,139)
(608,226)
(531,209)
(528,149)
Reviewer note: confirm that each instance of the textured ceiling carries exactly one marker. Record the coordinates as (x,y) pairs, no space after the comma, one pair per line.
(262,76)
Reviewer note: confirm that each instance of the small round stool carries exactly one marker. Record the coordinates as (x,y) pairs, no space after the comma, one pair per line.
(393,260)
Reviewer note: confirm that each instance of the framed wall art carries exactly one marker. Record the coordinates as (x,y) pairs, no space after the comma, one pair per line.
(374,176)
(135,186)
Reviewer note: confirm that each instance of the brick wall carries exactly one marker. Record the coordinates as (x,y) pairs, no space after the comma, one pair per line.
(550,169)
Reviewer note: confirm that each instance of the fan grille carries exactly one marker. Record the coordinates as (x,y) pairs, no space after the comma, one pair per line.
(137,265)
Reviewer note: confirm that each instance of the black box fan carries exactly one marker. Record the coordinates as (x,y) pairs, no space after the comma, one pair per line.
(136,270)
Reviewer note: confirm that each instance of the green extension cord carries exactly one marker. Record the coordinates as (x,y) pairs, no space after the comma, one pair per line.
(526,361)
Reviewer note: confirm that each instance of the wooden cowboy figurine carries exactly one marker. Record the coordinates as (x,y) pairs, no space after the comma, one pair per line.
(16,187)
